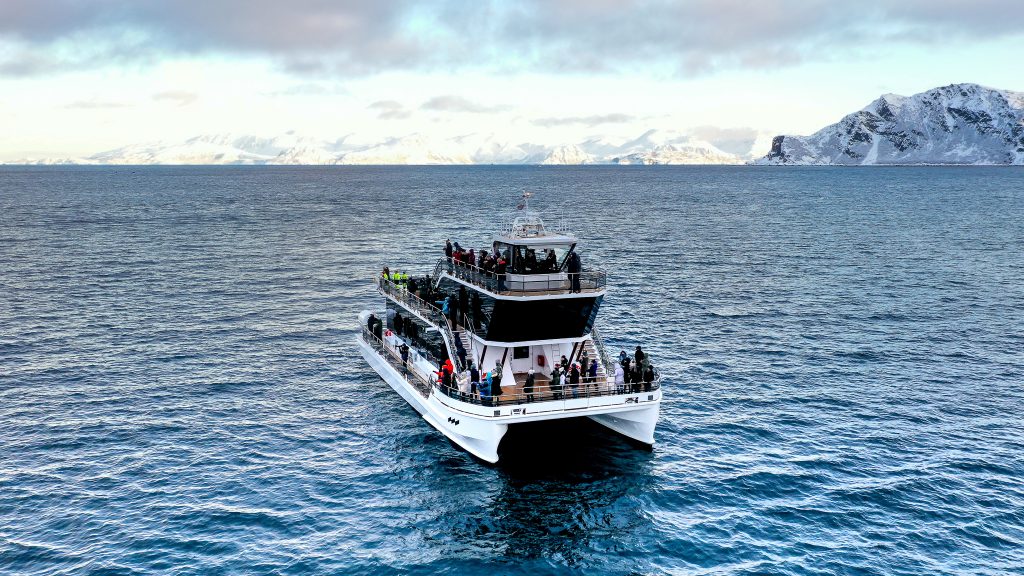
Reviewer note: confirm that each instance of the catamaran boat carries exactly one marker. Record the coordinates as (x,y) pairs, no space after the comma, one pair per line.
(527,314)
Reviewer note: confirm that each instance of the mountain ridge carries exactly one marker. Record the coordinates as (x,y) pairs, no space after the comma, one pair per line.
(654,146)
(958,124)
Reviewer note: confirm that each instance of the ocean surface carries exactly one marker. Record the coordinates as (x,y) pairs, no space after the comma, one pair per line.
(843,349)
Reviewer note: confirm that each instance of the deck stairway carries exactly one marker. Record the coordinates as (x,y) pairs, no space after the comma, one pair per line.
(467,344)
(592,353)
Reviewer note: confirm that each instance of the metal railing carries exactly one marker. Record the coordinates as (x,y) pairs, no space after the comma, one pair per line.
(430,312)
(519,283)
(606,359)
(421,385)
(550,392)
(543,392)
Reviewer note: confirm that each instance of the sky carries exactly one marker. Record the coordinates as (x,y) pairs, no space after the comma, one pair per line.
(79,77)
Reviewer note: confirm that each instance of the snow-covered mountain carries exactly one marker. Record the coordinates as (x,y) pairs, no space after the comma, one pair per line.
(651,147)
(567,154)
(668,147)
(956,124)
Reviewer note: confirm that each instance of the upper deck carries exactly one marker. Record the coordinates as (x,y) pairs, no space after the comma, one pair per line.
(526,259)
(529,283)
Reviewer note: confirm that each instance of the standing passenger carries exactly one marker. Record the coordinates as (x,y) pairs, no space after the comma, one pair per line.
(528,387)
(496,379)
(620,379)
(574,380)
(499,270)
(593,373)
(474,378)
(574,268)
(463,304)
(556,383)
(485,390)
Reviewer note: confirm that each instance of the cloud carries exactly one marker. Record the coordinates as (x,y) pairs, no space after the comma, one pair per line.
(311,89)
(452,103)
(390,110)
(584,120)
(351,37)
(179,97)
(733,140)
(96,105)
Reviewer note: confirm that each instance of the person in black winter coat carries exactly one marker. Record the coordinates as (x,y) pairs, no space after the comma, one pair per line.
(574,268)
(648,378)
(463,304)
(474,379)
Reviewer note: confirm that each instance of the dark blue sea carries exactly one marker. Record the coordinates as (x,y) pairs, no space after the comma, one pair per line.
(843,351)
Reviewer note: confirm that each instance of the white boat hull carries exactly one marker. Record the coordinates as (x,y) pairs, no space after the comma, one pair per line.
(479,429)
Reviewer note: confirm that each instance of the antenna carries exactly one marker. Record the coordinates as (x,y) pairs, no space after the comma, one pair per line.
(524,204)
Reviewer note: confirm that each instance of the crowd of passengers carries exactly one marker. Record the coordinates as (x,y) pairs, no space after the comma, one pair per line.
(568,379)
(499,264)
(463,308)
(632,374)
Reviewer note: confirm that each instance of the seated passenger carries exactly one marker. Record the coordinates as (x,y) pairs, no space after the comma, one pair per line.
(531,260)
(551,262)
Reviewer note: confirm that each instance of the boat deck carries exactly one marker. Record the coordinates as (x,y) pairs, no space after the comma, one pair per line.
(541,388)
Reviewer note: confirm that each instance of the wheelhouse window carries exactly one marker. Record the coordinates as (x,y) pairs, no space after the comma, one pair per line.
(520,352)
(535,258)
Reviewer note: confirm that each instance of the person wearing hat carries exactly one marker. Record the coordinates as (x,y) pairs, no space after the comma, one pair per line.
(528,387)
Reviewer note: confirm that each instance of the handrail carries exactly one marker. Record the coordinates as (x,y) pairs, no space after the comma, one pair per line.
(542,392)
(585,281)
(434,313)
(378,344)
(606,359)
